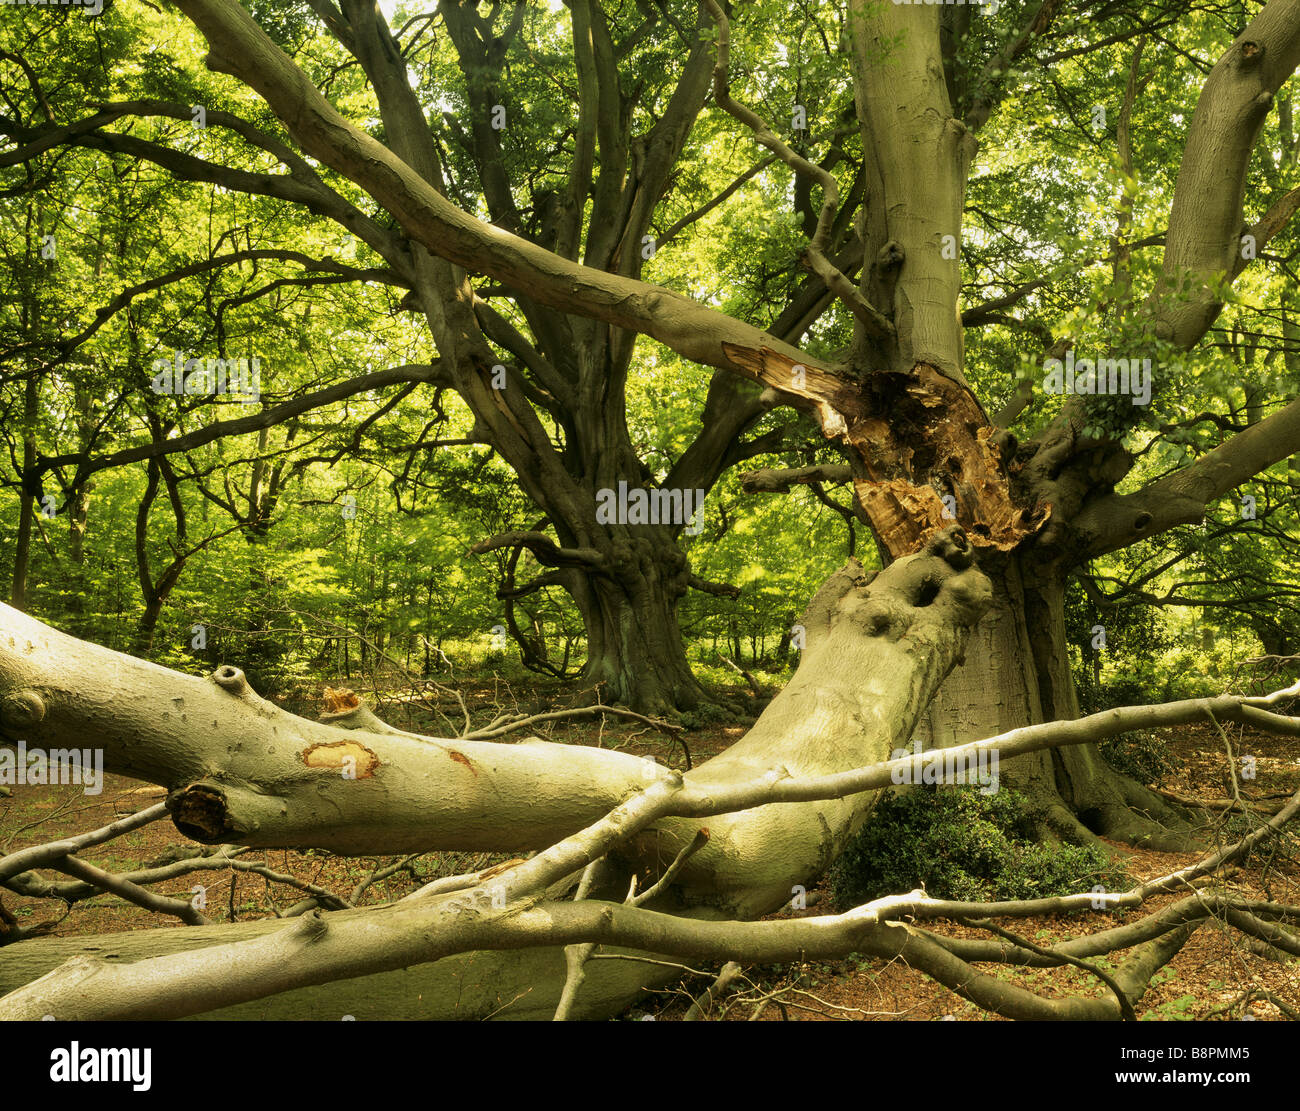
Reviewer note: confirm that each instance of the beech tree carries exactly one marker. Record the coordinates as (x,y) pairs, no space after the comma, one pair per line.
(958,642)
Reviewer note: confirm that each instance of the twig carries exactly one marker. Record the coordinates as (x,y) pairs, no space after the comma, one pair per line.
(753,683)
(730,971)
(1125,1007)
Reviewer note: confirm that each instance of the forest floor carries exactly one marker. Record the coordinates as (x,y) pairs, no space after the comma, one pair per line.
(1217,974)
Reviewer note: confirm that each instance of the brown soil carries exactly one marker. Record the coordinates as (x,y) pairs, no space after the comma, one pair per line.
(1211,977)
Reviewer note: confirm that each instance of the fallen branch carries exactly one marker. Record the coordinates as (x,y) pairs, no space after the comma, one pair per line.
(42,856)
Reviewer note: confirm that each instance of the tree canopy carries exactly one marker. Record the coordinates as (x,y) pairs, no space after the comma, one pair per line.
(884,377)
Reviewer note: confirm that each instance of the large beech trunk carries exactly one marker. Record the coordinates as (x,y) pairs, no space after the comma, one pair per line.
(878,646)
(241,770)
(1017,673)
(518,985)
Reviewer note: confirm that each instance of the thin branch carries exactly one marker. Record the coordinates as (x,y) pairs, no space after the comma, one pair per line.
(872,318)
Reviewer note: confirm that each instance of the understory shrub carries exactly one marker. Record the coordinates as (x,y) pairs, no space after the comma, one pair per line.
(961,844)
(1143,756)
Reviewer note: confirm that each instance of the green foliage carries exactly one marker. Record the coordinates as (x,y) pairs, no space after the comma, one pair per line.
(1177,1010)
(289,589)
(1126,670)
(704,716)
(961,844)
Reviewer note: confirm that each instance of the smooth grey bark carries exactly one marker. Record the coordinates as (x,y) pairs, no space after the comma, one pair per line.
(446,918)
(241,770)
(518,986)
(1205,223)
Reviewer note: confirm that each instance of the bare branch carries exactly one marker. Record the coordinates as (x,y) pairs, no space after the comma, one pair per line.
(779,481)
(132,893)
(544,548)
(40,856)
(872,318)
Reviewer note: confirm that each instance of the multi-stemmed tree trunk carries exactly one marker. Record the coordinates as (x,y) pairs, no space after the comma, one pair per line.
(964,630)
(1017,670)
(571,371)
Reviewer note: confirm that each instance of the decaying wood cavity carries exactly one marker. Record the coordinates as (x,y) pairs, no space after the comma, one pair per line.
(340,700)
(914,440)
(199,811)
(931,456)
(358,760)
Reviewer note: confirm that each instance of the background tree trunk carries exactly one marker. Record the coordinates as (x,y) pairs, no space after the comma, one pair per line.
(27,508)
(1017,672)
(635,651)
